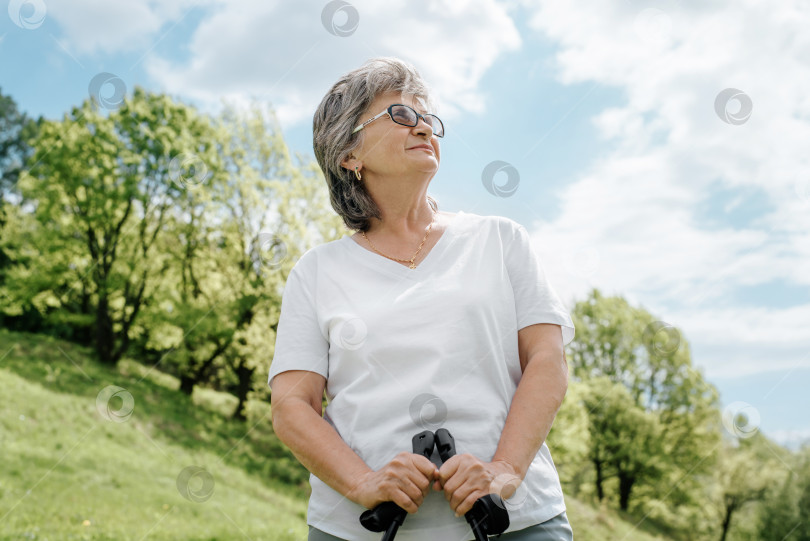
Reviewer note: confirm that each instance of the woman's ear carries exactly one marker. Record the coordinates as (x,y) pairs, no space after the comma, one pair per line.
(351,162)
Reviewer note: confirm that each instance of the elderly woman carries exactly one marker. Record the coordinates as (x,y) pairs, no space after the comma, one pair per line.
(422,319)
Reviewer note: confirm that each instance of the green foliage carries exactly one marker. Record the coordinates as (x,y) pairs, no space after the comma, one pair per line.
(232,248)
(625,439)
(569,438)
(652,418)
(746,471)
(160,227)
(16,130)
(655,442)
(785,512)
(101,187)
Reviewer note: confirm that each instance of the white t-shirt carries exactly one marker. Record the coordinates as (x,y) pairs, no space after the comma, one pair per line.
(405,350)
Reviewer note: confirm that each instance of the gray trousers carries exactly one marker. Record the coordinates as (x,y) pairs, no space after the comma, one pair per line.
(554,529)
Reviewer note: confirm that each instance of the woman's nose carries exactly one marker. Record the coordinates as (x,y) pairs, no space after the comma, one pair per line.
(423,128)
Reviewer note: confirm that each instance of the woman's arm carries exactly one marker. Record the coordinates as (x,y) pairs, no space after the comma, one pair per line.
(298,422)
(538,397)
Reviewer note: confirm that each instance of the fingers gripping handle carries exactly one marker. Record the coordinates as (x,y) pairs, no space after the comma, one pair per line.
(488,514)
(388,516)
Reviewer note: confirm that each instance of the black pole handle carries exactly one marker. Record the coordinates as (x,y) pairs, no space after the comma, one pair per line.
(488,514)
(388,516)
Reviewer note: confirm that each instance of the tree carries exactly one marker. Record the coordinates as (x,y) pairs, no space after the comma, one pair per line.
(785,511)
(624,438)
(261,171)
(234,244)
(16,129)
(102,189)
(569,438)
(748,471)
(671,412)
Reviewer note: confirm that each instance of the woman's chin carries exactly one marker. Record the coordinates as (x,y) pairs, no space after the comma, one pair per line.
(427,159)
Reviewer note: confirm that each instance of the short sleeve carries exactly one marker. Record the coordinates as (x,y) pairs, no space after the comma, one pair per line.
(300,344)
(535,298)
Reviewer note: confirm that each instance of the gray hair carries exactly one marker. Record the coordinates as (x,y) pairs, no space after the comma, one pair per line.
(339,113)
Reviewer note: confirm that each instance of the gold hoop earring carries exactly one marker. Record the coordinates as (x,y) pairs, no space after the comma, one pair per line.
(357,174)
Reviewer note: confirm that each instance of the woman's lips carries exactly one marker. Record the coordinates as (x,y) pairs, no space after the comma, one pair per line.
(422,147)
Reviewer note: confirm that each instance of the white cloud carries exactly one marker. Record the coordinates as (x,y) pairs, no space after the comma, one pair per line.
(629,226)
(792,439)
(281,52)
(111,26)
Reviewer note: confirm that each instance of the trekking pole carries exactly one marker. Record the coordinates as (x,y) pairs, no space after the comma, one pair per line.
(488,514)
(388,516)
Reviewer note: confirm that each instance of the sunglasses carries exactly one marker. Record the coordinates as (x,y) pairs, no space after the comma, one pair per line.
(406,116)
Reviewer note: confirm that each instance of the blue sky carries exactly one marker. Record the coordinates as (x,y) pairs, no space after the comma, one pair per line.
(637,174)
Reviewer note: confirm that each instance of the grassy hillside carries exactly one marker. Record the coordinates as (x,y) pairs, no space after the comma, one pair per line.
(68,472)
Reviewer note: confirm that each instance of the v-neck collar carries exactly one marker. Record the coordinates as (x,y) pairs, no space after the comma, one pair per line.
(379,261)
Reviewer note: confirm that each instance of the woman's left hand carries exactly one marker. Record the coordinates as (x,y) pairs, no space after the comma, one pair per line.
(465,478)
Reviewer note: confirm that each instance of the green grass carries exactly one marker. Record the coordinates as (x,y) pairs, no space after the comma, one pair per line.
(591,524)
(70,473)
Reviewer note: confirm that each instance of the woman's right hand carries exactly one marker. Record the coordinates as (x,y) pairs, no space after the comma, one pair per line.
(405,481)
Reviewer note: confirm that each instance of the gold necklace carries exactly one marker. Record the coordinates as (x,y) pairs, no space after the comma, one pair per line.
(411,260)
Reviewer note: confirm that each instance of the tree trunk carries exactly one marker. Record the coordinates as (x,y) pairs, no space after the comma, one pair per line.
(104,331)
(625,487)
(187,384)
(727,520)
(245,377)
(600,492)
(195,374)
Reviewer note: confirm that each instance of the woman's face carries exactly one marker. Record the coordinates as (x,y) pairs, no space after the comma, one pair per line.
(388,147)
